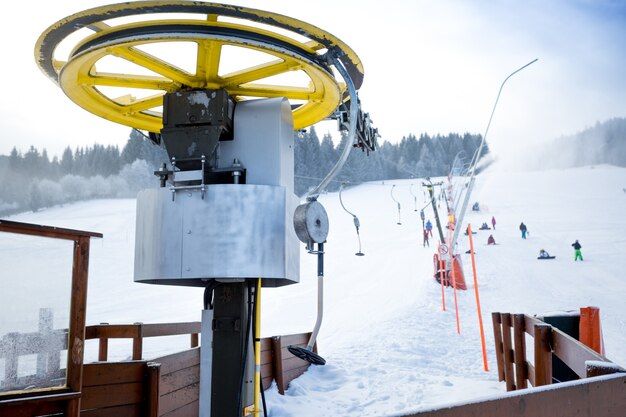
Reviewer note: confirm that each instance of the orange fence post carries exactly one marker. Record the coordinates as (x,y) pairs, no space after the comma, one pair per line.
(480,316)
(441,277)
(456,304)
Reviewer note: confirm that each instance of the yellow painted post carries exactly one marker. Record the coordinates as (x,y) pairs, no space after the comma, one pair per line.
(257,351)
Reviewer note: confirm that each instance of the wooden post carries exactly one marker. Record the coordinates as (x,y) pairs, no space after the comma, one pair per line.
(543,354)
(519,340)
(138,343)
(277,348)
(507,349)
(497,336)
(194,340)
(103,346)
(76,331)
(154,379)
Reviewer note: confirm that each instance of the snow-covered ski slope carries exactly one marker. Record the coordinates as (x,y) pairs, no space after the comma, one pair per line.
(390,349)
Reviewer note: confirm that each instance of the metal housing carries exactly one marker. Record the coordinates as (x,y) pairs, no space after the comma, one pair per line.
(234,232)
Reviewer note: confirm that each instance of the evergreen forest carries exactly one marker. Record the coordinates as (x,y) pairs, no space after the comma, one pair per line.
(31,180)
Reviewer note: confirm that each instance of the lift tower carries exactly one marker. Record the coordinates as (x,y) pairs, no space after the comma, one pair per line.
(223,216)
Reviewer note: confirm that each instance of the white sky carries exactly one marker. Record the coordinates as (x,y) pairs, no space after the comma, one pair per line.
(430,66)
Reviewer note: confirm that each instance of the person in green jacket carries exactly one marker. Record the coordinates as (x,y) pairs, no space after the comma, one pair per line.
(577,253)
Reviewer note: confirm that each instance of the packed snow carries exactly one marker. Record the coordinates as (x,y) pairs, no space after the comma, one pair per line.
(389,346)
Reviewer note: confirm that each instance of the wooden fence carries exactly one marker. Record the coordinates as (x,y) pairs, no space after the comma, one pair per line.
(167,386)
(511,352)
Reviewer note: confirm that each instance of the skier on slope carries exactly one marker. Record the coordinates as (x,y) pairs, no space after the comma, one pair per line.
(577,253)
(491,240)
(493,222)
(429,228)
(524,230)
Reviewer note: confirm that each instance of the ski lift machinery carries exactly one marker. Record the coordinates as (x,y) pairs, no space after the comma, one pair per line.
(225,213)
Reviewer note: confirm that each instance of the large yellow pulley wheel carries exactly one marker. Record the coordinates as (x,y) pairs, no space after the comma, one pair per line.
(121,59)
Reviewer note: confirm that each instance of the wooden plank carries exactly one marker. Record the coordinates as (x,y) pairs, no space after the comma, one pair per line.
(301,339)
(113,331)
(530,323)
(293,362)
(12,400)
(519,353)
(267,370)
(266,344)
(573,353)
(597,397)
(187,410)
(44,231)
(112,395)
(170,329)
(107,373)
(497,335)
(179,360)
(32,409)
(530,371)
(177,399)
(543,355)
(507,352)
(603,368)
(129,410)
(267,382)
(179,379)
(266,357)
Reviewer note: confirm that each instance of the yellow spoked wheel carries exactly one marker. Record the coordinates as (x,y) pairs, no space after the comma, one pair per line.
(120,70)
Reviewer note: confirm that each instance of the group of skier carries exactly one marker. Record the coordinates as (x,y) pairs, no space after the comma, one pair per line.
(543,254)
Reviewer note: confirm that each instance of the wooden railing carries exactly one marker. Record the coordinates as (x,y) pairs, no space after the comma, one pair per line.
(137,332)
(511,352)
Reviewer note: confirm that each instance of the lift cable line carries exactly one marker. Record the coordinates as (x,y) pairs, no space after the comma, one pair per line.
(354,110)
(475,160)
(397,202)
(357,223)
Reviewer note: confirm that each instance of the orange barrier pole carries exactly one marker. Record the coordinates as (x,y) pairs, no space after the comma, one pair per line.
(441,277)
(456,304)
(480,316)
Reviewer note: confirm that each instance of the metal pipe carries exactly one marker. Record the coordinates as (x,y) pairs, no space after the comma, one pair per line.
(354,111)
(475,160)
(320,297)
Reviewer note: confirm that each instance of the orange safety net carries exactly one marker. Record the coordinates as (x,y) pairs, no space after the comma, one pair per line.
(441,270)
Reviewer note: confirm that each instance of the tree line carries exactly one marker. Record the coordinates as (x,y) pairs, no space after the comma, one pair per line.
(412,157)
(32,181)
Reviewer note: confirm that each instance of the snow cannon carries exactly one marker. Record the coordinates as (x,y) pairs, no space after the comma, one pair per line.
(223,95)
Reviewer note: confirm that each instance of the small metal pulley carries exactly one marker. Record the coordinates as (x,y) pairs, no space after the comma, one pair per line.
(311,223)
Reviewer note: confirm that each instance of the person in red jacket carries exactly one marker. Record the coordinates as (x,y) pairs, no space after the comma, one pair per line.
(493,222)
(491,240)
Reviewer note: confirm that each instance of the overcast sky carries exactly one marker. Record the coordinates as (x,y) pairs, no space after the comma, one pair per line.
(431,66)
